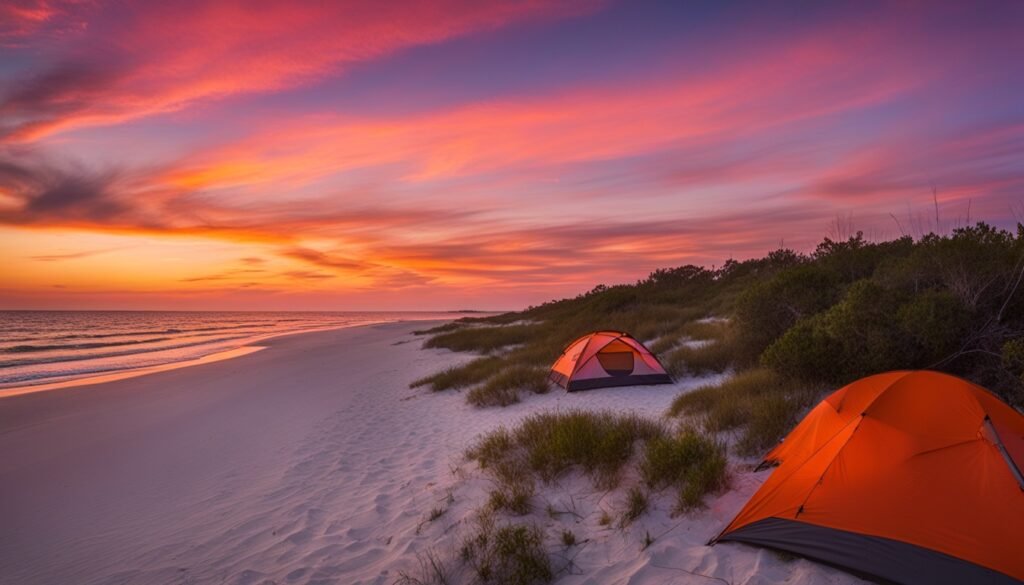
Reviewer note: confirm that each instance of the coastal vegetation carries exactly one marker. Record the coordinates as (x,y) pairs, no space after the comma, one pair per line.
(790,325)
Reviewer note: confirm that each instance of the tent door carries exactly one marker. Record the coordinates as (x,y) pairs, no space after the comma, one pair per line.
(616,359)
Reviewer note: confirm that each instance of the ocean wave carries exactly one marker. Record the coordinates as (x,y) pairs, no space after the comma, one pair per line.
(79,346)
(87,357)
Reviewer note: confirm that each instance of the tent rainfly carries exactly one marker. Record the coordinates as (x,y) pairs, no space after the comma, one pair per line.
(907,477)
(604,359)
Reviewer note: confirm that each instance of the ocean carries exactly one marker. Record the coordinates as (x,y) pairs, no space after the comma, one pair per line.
(42,347)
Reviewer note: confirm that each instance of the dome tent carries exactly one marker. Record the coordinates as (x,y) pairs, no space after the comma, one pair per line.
(604,359)
(908,477)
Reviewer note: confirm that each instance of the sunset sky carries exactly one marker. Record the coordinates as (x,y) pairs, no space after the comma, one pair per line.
(448,154)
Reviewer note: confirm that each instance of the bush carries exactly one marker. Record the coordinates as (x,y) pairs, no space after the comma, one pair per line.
(857,337)
(935,323)
(768,309)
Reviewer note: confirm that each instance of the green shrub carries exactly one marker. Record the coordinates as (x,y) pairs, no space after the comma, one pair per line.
(767,309)
(935,323)
(857,337)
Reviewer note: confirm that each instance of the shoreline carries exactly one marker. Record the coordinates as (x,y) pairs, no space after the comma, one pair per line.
(250,346)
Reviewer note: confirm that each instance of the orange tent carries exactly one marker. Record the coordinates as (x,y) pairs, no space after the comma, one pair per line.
(607,358)
(910,477)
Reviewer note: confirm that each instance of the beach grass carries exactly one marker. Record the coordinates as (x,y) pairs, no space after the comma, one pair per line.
(483,339)
(636,504)
(763,404)
(601,444)
(690,461)
(442,328)
(468,374)
(511,554)
(504,388)
(549,444)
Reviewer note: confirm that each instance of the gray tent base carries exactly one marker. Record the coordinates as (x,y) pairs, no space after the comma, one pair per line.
(873,557)
(611,382)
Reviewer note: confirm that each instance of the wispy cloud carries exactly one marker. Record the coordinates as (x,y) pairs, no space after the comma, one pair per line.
(67,255)
(150,59)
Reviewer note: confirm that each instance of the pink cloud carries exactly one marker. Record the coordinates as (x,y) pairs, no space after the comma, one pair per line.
(149,58)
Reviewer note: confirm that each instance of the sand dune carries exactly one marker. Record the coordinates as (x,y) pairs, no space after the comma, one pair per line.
(308,462)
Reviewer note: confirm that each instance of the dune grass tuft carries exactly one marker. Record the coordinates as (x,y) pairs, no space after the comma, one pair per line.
(482,339)
(601,444)
(663,344)
(514,489)
(549,444)
(711,357)
(511,554)
(504,388)
(443,328)
(468,374)
(760,401)
(689,460)
(432,570)
(636,505)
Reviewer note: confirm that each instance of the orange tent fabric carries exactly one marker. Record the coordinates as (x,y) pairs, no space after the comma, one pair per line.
(911,477)
(607,358)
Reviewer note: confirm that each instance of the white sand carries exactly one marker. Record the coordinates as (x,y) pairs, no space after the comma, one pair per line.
(309,462)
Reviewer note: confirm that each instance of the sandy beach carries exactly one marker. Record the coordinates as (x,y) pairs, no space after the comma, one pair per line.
(308,462)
